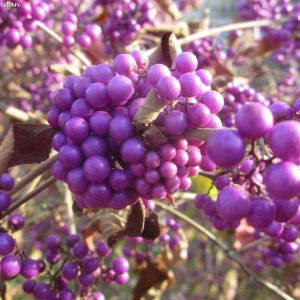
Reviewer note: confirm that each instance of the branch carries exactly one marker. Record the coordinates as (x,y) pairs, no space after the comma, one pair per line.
(214,175)
(58,38)
(185,195)
(70,213)
(27,197)
(216,30)
(252,244)
(18,114)
(225,28)
(34,173)
(231,254)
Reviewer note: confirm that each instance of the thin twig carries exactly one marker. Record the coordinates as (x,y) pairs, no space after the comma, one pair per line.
(58,38)
(18,114)
(41,168)
(252,244)
(214,175)
(27,197)
(70,213)
(185,195)
(231,254)
(225,28)
(213,31)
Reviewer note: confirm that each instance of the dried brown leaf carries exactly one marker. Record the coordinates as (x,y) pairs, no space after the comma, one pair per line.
(96,52)
(170,7)
(167,51)
(222,69)
(151,228)
(111,227)
(220,82)
(77,210)
(200,134)
(265,47)
(154,136)
(170,49)
(136,220)
(149,111)
(151,281)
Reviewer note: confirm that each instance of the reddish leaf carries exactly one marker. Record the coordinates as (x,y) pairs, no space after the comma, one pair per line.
(171,200)
(221,69)
(96,52)
(32,143)
(102,19)
(265,46)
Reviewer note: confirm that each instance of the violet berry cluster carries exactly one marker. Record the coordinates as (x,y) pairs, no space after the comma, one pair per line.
(73,262)
(66,260)
(262,181)
(126,18)
(18,23)
(85,37)
(101,154)
(263,9)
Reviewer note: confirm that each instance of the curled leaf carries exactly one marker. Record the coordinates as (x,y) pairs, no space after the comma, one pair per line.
(149,111)
(136,220)
(111,227)
(167,51)
(151,228)
(153,281)
(154,136)
(265,47)
(170,8)
(200,134)
(109,224)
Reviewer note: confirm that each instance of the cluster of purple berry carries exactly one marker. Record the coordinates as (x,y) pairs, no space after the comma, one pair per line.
(102,157)
(262,189)
(285,36)
(17,23)
(170,237)
(276,254)
(126,18)
(74,262)
(263,9)
(66,260)
(235,95)
(69,27)
(205,50)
